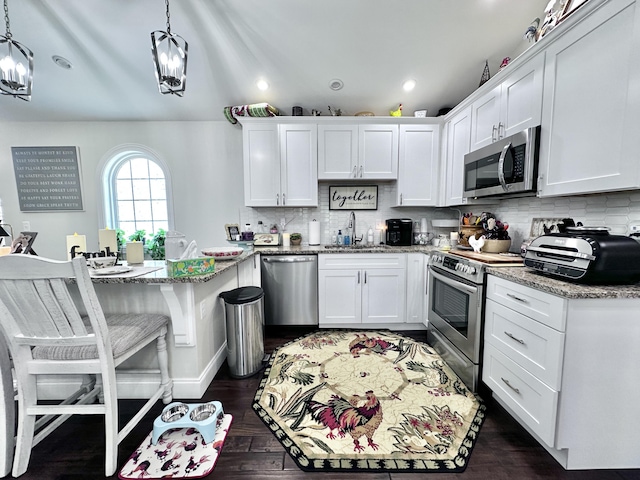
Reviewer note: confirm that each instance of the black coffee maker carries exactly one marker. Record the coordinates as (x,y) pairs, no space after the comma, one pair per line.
(399,232)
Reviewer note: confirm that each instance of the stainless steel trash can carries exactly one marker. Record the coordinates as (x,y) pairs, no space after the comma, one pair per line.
(244,318)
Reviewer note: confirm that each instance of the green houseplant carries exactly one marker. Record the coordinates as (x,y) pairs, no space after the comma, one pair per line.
(155,246)
(295,238)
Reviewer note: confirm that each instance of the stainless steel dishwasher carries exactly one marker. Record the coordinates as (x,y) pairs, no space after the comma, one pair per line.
(290,284)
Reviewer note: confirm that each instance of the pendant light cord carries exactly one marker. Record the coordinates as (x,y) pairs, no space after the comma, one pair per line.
(6,18)
(165,1)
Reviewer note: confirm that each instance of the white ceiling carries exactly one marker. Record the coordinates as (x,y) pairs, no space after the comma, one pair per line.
(298,46)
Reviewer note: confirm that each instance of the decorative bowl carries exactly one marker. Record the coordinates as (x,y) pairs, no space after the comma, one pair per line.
(223,253)
(496,246)
(467,231)
(102,262)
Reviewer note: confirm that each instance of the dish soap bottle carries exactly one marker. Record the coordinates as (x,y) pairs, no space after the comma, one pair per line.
(339,238)
(370,236)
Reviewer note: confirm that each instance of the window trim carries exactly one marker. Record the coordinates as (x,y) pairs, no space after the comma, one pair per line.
(110,163)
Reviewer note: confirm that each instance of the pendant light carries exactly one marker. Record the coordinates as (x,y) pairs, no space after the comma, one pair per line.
(16,64)
(170,57)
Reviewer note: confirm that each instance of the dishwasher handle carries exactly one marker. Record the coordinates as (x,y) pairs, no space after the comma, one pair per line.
(288,259)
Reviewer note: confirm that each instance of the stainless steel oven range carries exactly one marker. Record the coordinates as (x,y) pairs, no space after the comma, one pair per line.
(456,313)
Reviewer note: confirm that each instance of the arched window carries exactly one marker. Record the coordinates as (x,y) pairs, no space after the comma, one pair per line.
(136,191)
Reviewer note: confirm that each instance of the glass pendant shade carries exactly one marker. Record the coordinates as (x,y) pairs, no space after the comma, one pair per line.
(170,57)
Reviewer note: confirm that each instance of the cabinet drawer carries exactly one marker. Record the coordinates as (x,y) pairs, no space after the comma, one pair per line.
(532,345)
(361,260)
(541,306)
(533,402)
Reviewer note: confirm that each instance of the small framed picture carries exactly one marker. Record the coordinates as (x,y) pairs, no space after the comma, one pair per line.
(233,231)
(570,7)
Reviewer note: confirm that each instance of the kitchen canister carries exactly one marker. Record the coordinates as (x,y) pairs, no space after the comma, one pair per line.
(314,232)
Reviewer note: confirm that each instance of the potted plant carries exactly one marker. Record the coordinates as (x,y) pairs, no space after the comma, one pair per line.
(155,246)
(295,238)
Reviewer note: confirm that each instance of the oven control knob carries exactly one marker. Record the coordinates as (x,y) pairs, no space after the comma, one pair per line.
(471,270)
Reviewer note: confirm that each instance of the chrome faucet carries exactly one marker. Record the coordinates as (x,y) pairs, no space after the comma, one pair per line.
(352,226)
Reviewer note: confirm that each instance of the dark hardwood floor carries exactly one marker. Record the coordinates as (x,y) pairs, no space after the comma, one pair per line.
(504,450)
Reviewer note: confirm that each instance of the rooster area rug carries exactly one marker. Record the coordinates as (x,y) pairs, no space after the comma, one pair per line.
(368,401)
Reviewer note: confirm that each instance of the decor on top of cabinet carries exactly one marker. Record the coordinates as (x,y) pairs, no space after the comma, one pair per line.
(252,110)
(335,112)
(486,75)
(397,112)
(532,30)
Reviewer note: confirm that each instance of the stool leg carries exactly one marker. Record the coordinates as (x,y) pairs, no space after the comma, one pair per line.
(7,404)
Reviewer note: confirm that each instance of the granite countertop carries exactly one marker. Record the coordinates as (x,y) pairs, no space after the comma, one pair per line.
(531,278)
(522,275)
(160,275)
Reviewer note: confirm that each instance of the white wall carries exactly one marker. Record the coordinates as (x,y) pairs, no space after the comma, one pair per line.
(204,159)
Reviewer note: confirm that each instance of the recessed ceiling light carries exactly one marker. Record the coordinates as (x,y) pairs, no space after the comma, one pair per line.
(409,85)
(336,84)
(262,85)
(62,62)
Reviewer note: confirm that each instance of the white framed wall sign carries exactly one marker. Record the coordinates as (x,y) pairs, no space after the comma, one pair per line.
(353,197)
(48,178)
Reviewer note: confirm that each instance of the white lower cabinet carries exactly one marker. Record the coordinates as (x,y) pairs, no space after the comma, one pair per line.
(566,369)
(361,289)
(417,288)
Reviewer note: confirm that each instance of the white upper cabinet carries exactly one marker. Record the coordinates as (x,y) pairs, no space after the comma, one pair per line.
(418,165)
(458,138)
(280,164)
(358,152)
(337,151)
(299,165)
(591,105)
(510,107)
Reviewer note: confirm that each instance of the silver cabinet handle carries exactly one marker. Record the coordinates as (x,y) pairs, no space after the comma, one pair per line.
(277,199)
(511,295)
(510,335)
(400,199)
(365,277)
(358,277)
(361,167)
(517,390)
(355,171)
(494,130)
(501,130)
(284,199)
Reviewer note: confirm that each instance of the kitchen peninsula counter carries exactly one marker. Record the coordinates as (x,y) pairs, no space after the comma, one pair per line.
(531,278)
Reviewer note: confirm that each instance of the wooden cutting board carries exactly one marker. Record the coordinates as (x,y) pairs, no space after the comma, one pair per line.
(494,259)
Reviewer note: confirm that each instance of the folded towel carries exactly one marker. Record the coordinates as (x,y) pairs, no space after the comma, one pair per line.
(253,110)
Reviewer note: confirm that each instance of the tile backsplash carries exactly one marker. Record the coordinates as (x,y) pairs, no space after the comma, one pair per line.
(614,210)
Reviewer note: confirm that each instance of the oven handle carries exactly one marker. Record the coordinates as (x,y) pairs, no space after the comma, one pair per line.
(454,283)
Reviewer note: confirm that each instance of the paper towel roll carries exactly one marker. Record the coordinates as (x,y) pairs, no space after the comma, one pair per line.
(423,226)
(314,233)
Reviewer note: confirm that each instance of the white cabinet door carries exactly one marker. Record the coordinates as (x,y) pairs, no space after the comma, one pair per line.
(261,165)
(418,165)
(383,295)
(298,165)
(416,288)
(588,96)
(337,151)
(339,296)
(510,107)
(458,145)
(521,98)
(378,152)
(486,116)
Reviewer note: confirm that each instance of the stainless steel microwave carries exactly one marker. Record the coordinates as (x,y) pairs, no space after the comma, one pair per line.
(507,166)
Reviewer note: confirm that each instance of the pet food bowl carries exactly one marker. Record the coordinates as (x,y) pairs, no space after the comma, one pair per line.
(203,417)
